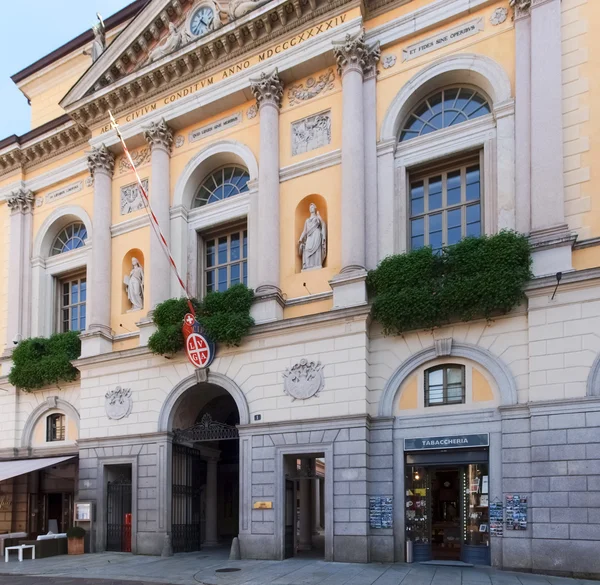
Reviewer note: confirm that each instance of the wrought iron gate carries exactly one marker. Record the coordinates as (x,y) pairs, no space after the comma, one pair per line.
(189,475)
(118,522)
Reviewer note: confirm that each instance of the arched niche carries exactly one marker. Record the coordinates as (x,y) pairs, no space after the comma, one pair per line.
(494,366)
(301,215)
(57,221)
(469,69)
(204,162)
(41,412)
(125,270)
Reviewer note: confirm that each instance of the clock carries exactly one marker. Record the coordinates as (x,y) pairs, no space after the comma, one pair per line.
(202,21)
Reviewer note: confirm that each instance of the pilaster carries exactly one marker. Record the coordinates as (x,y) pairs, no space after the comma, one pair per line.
(268,91)
(98,337)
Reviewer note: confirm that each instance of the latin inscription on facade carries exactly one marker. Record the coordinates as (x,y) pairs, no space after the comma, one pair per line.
(132,198)
(443,39)
(64,192)
(311,133)
(215,127)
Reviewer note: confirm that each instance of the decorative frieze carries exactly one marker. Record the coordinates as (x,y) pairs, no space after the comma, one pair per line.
(118,403)
(179,141)
(252,112)
(267,89)
(389,61)
(304,380)
(101,160)
(499,16)
(353,53)
(312,88)
(159,134)
(311,133)
(132,198)
(140,158)
(20,200)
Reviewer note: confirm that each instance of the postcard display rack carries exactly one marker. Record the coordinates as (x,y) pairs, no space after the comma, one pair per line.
(476,521)
(418,514)
(84,516)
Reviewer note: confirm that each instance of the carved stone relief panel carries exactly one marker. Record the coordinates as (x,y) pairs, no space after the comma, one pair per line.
(311,133)
(140,157)
(304,379)
(132,198)
(118,403)
(311,88)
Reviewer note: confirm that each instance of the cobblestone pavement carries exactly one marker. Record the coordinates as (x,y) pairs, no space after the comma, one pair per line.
(204,567)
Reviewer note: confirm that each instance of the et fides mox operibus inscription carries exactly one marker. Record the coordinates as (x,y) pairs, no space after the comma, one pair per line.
(443,39)
(235,69)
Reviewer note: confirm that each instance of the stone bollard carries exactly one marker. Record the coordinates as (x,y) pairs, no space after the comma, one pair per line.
(235,554)
(167,550)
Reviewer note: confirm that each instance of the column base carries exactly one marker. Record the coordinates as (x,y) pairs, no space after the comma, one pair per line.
(268,305)
(147,328)
(96,342)
(349,288)
(551,250)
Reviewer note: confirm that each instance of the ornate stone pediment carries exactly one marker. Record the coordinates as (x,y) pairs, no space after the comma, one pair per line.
(159,50)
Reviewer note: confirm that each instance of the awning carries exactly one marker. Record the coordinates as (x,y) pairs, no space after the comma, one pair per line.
(16,467)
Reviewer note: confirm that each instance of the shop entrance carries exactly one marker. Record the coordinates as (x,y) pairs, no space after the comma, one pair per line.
(447,503)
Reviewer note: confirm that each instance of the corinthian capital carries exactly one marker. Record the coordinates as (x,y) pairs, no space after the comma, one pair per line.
(101,160)
(267,89)
(20,200)
(353,54)
(160,135)
(521,7)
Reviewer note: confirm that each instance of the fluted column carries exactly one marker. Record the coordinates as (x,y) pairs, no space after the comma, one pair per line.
(160,139)
(354,59)
(268,91)
(98,338)
(212,533)
(20,203)
(550,234)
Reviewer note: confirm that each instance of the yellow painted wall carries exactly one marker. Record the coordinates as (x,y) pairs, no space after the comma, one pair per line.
(409,394)
(481,388)
(38,438)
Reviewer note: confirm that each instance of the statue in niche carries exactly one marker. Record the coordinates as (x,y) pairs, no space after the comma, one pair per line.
(239,8)
(135,286)
(313,241)
(99,42)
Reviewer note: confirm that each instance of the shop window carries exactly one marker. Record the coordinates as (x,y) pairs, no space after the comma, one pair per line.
(443,109)
(72,303)
(225,259)
(445,204)
(221,184)
(55,428)
(445,385)
(70,238)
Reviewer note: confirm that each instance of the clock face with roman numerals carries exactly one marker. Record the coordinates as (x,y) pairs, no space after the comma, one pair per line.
(202,21)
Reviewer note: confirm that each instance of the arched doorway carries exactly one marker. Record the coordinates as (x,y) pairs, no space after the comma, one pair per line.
(204,468)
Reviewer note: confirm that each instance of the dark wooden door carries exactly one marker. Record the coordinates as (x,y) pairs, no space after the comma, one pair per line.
(290,517)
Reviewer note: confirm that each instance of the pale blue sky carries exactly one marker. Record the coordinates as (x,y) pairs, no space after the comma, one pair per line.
(30,29)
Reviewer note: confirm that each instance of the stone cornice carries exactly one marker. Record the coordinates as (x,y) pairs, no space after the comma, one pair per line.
(126,88)
(311,165)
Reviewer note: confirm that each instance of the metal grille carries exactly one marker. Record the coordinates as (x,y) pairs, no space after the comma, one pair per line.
(189,474)
(207,430)
(118,525)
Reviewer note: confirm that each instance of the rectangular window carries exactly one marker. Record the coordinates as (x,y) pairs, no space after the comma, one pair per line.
(445,385)
(72,304)
(445,204)
(55,428)
(225,259)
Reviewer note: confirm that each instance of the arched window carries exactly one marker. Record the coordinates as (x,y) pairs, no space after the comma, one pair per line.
(222,184)
(443,109)
(445,385)
(55,428)
(70,238)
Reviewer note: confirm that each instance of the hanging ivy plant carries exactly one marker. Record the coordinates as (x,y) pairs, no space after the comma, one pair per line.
(225,317)
(40,361)
(476,278)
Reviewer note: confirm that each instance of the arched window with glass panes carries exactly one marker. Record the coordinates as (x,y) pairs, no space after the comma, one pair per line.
(225,251)
(445,198)
(70,238)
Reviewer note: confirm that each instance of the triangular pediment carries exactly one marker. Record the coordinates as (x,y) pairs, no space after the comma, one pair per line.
(172,40)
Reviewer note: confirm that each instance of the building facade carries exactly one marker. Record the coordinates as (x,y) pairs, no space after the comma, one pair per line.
(291,145)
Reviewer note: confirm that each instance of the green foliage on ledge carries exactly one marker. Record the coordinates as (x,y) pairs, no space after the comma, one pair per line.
(225,317)
(476,278)
(40,361)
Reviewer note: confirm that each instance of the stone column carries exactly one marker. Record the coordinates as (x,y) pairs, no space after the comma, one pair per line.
(316,509)
(370,142)
(160,138)
(550,234)
(212,535)
(354,59)
(268,91)
(305,542)
(97,339)
(20,203)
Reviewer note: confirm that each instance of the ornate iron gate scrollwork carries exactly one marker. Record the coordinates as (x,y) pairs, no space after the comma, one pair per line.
(205,431)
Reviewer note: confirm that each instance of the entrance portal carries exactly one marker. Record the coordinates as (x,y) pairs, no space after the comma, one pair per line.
(205,469)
